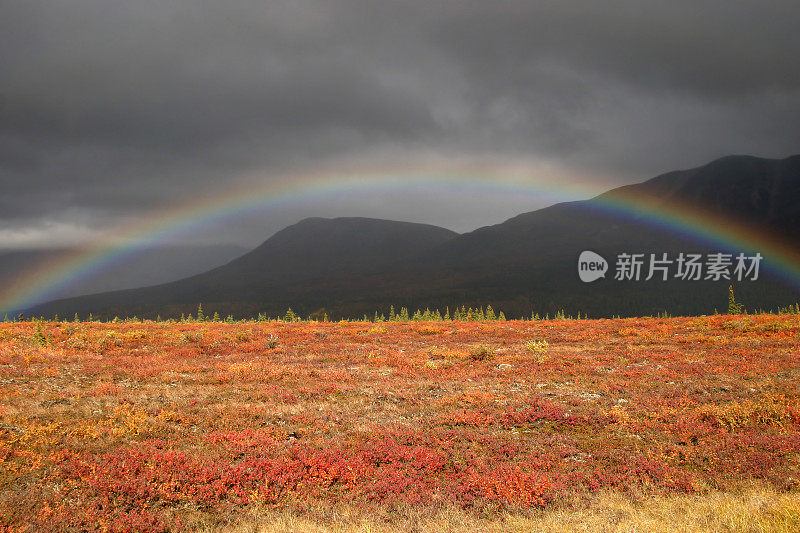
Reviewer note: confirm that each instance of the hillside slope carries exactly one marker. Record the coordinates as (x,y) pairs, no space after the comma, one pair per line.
(528,263)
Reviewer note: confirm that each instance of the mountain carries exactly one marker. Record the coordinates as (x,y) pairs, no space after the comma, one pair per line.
(765,192)
(350,266)
(320,247)
(530,261)
(292,267)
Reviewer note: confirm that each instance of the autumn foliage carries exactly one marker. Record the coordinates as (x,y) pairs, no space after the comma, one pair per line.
(155,427)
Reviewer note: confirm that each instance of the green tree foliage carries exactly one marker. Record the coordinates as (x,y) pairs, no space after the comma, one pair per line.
(734,307)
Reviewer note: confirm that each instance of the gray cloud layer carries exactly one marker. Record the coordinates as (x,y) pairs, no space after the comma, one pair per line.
(109,110)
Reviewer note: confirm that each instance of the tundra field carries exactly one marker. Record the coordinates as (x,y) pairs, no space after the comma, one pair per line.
(647,424)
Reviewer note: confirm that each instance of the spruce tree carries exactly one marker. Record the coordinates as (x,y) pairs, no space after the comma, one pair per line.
(734,307)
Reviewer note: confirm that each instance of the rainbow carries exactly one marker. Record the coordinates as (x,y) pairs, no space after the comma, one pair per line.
(780,258)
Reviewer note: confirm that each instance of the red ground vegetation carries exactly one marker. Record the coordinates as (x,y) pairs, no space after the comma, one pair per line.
(152,427)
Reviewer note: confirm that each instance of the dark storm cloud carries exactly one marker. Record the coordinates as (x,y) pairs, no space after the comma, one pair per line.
(707,48)
(109,110)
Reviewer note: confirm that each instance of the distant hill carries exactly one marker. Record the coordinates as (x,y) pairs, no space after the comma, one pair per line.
(351,266)
(320,247)
(296,262)
(149,266)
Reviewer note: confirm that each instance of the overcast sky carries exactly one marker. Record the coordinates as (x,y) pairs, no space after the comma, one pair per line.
(112,112)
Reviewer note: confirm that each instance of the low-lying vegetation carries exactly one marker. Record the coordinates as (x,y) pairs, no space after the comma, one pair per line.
(493,424)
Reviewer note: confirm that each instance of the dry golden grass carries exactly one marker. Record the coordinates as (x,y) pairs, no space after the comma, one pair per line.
(757,510)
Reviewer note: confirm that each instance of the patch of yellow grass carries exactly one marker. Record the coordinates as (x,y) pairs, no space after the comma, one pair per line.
(753,511)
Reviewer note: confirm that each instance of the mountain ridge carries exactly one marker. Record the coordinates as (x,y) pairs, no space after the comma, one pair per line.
(351,265)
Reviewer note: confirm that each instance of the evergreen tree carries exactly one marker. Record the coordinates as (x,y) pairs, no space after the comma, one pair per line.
(200,316)
(734,307)
(39,337)
(490,313)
